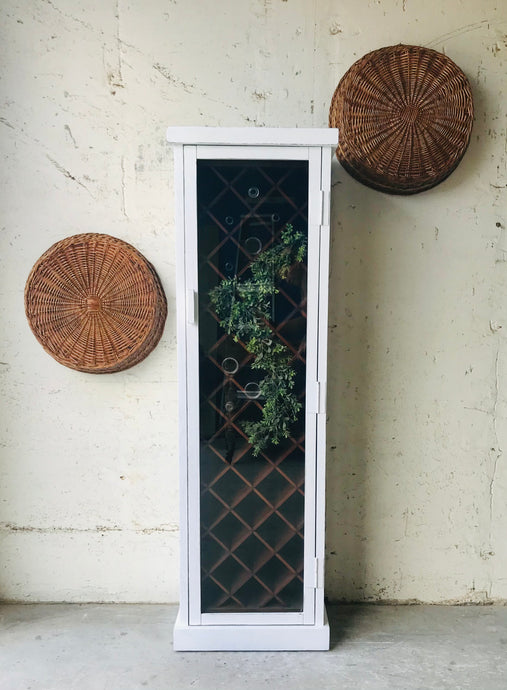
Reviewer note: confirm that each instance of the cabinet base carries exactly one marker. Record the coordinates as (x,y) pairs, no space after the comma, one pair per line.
(245,638)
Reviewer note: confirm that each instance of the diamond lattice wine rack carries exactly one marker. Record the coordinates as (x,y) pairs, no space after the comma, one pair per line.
(253,243)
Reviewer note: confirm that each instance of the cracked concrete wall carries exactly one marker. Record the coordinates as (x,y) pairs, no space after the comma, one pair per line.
(417,476)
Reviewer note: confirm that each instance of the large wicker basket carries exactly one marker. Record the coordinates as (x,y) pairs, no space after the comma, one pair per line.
(95,303)
(405,117)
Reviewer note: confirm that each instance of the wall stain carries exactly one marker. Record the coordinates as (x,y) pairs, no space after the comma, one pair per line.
(123,194)
(69,132)
(10,527)
(114,81)
(68,174)
(86,25)
(261,95)
(458,32)
(496,451)
(6,123)
(161,69)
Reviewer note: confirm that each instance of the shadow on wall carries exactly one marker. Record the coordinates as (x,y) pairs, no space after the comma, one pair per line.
(354,272)
(365,227)
(362,382)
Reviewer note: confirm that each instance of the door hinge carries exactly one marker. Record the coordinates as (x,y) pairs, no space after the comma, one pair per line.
(324,207)
(317,397)
(318,573)
(322,405)
(191,306)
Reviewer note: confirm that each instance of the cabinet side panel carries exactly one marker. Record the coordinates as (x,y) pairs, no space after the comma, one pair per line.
(320,498)
(182,382)
(192,379)
(314,219)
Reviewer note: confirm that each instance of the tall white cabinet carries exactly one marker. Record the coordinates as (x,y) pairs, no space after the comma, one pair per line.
(252,224)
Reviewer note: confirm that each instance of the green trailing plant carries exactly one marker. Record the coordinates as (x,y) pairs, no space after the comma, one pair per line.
(243,307)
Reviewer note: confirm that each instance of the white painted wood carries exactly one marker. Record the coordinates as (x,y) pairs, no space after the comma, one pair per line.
(312,396)
(292,630)
(200,638)
(311,574)
(191,306)
(320,495)
(191,283)
(320,503)
(259,136)
(266,618)
(326,193)
(324,263)
(314,213)
(322,406)
(316,396)
(181,331)
(253,152)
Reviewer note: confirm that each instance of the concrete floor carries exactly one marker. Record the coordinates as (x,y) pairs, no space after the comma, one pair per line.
(128,647)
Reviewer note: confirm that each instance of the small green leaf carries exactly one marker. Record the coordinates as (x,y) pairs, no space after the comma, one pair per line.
(243,309)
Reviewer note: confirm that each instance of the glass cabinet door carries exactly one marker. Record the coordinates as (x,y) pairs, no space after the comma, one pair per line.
(252,231)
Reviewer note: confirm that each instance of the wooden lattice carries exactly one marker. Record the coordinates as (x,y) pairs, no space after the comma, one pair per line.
(252,508)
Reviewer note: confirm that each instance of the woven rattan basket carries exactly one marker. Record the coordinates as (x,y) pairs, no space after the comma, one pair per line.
(95,304)
(405,117)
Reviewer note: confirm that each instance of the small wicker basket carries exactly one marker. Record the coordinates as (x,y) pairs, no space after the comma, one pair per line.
(95,304)
(405,116)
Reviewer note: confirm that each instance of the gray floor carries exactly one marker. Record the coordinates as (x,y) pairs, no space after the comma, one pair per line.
(127,647)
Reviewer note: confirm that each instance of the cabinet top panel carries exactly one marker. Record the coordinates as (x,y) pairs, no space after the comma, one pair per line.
(256,136)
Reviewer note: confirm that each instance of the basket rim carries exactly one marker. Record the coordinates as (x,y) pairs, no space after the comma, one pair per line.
(356,160)
(153,332)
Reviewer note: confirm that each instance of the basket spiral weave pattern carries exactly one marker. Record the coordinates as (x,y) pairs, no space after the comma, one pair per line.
(405,117)
(95,303)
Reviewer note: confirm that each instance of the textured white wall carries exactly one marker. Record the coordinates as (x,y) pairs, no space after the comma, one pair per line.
(417,499)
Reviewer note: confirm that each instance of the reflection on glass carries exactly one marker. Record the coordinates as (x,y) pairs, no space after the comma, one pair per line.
(253,245)
(252,506)
(230,365)
(252,390)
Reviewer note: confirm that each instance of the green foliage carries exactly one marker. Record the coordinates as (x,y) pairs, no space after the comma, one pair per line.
(243,308)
